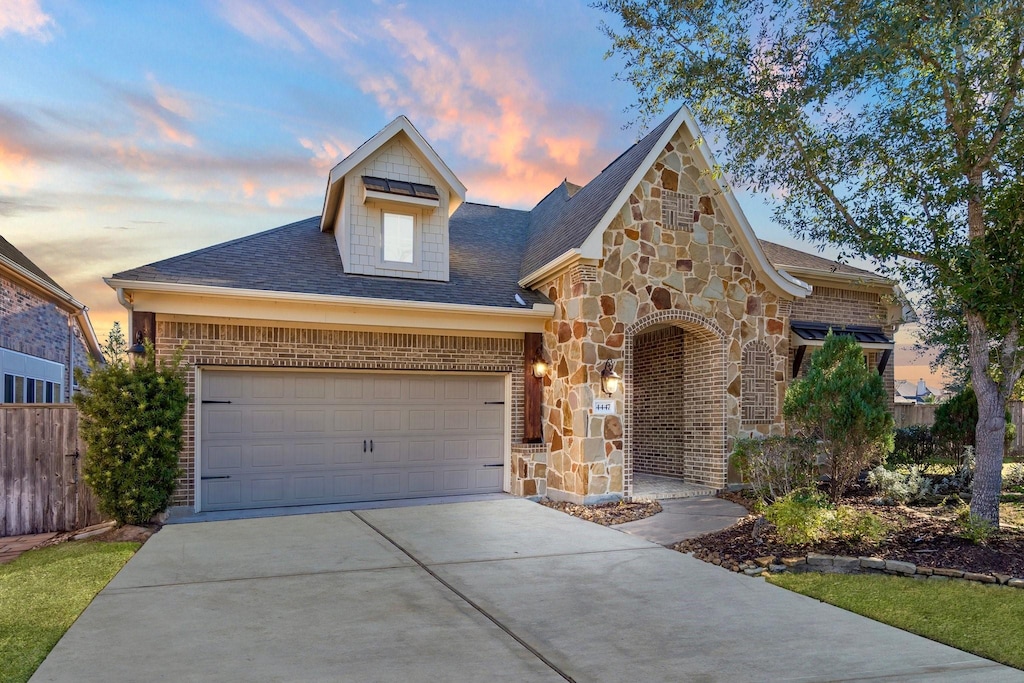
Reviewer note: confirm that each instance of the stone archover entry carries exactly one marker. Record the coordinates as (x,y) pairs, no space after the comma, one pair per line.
(697,411)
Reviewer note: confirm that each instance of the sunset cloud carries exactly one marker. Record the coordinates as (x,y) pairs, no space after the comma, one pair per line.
(25,17)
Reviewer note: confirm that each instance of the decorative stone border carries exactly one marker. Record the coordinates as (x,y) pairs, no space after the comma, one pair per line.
(840,564)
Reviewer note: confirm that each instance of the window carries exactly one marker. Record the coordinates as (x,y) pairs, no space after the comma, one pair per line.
(19,389)
(399,237)
(9,389)
(49,392)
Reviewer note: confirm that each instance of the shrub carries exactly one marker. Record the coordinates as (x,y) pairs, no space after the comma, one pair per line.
(776,465)
(913,446)
(131,424)
(806,516)
(974,528)
(962,479)
(1013,478)
(844,404)
(899,487)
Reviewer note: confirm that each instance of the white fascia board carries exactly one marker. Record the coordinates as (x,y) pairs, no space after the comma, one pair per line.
(390,198)
(551,268)
(62,296)
(400,125)
(536,311)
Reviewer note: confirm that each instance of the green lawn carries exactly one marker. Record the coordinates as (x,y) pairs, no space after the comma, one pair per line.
(983,619)
(43,592)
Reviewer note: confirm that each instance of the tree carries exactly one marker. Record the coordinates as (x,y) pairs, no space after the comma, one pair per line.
(843,403)
(115,349)
(891,129)
(131,424)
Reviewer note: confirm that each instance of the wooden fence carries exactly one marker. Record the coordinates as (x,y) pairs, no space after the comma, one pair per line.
(924,414)
(41,486)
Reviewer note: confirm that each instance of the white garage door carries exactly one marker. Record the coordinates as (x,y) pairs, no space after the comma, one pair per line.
(273,439)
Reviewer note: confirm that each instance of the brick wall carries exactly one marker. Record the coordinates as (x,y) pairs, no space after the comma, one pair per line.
(659,405)
(35,326)
(270,345)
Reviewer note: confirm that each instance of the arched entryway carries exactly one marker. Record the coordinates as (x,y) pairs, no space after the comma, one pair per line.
(675,399)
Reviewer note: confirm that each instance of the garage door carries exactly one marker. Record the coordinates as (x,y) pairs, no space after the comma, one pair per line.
(273,439)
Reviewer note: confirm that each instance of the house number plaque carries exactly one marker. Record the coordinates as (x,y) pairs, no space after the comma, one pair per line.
(604,406)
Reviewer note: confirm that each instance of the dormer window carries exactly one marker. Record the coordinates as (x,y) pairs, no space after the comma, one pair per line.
(398,234)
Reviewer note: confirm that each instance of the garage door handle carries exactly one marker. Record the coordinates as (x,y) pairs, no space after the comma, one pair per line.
(225,476)
(371,445)
(364,445)
(494,403)
(208,401)
(498,465)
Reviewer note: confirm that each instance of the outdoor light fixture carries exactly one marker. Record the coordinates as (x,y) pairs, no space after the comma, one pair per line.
(609,378)
(540,364)
(138,349)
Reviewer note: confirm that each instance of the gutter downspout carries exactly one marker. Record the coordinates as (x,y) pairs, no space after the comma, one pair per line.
(123,300)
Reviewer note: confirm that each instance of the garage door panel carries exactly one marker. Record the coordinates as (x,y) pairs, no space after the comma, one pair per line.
(291,438)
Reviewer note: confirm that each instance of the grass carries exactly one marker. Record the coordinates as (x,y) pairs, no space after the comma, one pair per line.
(981,619)
(43,592)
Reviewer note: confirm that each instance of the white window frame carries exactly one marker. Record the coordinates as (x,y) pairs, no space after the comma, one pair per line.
(416,265)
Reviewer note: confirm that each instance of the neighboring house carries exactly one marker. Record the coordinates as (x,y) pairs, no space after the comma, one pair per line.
(391,347)
(45,333)
(917,392)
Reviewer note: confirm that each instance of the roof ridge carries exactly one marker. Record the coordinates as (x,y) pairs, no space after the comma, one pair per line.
(18,257)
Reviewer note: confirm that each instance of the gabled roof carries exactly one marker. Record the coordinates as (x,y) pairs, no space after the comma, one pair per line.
(795,260)
(567,225)
(305,260)
(16,262)
(400,127)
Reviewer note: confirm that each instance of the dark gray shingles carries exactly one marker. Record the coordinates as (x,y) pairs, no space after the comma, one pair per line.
(12,253)
(783,257)
(563,219)
(486,245)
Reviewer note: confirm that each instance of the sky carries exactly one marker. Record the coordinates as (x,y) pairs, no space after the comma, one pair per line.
(135,131)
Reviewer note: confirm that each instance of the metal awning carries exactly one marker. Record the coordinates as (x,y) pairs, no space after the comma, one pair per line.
(805,333)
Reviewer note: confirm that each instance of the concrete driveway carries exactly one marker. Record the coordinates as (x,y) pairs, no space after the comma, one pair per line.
(480,591)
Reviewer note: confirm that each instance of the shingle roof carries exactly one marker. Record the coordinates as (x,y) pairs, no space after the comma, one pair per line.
(299,258)
(10,252)
(783,257)
(564,219)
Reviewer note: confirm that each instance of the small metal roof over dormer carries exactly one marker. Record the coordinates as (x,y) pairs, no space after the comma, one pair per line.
(806,333)
(400,187)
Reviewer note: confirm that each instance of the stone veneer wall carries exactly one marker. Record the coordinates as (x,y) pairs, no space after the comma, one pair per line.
(272,345)
(694,269)
(35,326)
(659,408)
(846,307)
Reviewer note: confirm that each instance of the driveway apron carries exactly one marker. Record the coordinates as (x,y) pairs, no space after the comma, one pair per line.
(496,590)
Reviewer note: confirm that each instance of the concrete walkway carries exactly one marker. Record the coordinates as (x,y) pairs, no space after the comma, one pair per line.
(496,590)
(683,518)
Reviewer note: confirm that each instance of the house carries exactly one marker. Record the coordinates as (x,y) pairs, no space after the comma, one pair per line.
(409,343)
(917,392)
(45,333)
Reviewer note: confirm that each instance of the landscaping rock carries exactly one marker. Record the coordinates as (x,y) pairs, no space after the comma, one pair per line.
(980,578)
(924,571)
(1015,583)
(898,567)
(871,563)
(951,573)
(816,560)
(848,564)
(794,561)
(1002,578)
(754,571)
(937,577)
(763,561)
(776,568)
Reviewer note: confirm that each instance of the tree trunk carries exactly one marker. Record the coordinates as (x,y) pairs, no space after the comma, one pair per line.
(990,434)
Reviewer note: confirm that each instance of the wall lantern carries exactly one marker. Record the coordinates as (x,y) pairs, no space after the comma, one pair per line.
(138,349)
(609,378)
(540,364)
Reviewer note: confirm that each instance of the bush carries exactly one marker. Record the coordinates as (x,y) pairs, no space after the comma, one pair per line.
(776,465)
(962,479)
(1013,478)
(805,516)
(131,424)
(844,404)
(974,528)
(899,487)
(913,446)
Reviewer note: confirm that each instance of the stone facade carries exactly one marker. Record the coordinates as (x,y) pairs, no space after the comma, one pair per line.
(34,325)
(691,275)
(273,345)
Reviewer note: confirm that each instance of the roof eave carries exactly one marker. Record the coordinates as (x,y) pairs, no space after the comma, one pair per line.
(550,269)
(538,310)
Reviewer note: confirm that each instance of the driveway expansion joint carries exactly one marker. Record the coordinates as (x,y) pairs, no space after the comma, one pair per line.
(465,598)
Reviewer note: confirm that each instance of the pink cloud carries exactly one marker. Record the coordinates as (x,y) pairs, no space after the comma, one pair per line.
(25,17)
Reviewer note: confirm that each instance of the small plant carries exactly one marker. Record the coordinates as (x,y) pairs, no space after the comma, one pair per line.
(1013,478)
(854,525)
(131,424)
(962,478)
(776,465)
(974,528)
(898,487)
(800,517)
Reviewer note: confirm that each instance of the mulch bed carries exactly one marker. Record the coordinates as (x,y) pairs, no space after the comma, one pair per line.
(607,513)
(924,537)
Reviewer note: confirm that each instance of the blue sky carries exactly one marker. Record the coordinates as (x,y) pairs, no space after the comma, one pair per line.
(134,131)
